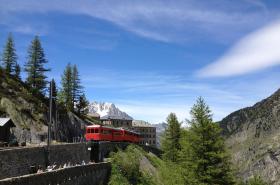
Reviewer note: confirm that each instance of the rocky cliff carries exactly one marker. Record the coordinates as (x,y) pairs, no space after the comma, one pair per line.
(30,113)
(253,138)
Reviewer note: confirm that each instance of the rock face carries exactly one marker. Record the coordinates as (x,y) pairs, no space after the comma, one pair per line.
(30,113)
(253,138)
(107,109)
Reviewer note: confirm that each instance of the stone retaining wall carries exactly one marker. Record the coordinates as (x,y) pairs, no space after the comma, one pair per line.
(17,162)
(92,174)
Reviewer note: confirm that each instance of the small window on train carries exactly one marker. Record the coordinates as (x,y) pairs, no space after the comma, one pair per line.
(106,132)
(117,133)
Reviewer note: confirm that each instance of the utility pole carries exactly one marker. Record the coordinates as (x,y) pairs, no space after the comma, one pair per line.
(50,119)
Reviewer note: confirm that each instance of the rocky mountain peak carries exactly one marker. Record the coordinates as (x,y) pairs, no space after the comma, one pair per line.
(107,109)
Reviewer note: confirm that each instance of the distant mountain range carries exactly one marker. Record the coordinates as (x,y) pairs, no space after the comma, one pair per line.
(160,128)
(105,109)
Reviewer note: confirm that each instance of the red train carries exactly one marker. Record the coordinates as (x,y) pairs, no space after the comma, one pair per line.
(102,133)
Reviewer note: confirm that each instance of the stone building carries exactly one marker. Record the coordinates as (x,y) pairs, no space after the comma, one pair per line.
(116,121)
(147,131)
(5,129)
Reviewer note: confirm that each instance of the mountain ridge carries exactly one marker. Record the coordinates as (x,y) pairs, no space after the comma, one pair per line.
(252,135)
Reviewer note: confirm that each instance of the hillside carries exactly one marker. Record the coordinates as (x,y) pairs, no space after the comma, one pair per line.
(135,166)
(253,137)
(30,113)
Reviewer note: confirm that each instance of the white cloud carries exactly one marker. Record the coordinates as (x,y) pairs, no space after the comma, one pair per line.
(259,50)
(167,21)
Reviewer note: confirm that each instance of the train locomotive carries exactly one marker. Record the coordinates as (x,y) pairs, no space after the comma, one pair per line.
(103,133)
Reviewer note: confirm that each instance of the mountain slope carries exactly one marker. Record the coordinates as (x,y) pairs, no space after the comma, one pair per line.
(30,113)
(26,110)
(107,109)
(253,137)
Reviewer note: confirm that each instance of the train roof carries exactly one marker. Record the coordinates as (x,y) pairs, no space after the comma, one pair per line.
(98,126)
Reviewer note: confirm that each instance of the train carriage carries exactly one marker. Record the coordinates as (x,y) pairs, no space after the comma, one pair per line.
(102,133)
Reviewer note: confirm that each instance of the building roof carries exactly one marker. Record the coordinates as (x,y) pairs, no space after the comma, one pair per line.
(4,121)
(107,117)
(94,114)
(141,123)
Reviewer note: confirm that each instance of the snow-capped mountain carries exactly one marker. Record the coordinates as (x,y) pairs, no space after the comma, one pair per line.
(107,109)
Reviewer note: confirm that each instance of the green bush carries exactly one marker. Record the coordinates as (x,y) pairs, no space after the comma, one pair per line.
(125,167)
(256,181)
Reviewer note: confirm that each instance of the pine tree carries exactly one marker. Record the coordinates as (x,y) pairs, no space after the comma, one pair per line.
(65,96)
(170,141)
(34,67)
(76,87)
(9,57)
(209,158)
(17,72)
(185,158)
(82,106)
(54,93)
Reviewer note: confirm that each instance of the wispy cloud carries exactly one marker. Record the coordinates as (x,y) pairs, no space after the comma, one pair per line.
(153,112)
(30,29)
(152,96)
(256,51)
(167,21)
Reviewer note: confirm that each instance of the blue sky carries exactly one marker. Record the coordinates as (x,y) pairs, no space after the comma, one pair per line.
(151,58)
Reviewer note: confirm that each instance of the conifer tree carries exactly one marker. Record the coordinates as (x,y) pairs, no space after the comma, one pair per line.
(9,58)
(66,93)
(34,67)
(54,93)
(17,72)
(209,158)
(170,139)
(82,106)
(76,87)
(185,158)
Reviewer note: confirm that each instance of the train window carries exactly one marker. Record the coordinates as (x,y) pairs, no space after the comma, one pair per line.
(106,132)
(117,133)
(96,130)
(91,130)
